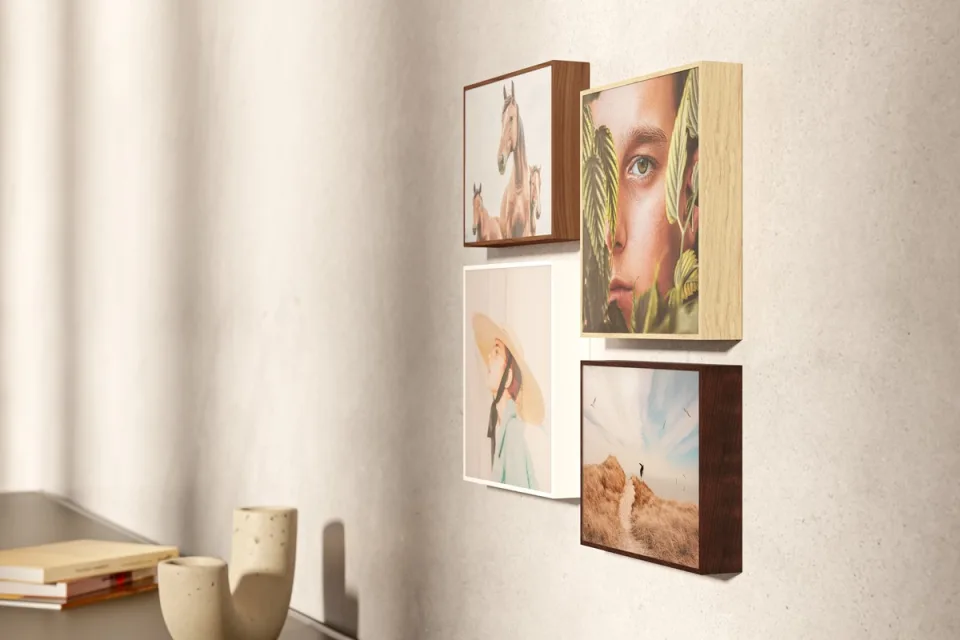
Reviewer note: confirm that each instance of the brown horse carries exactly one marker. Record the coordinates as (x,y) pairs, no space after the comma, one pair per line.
(485,226)
(535,208)
(515,204)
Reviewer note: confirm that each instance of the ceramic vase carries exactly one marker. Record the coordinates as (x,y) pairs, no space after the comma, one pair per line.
(202,598)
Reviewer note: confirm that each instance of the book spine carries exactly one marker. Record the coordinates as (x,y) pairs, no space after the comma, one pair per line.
(119,565)
(89,585)
(63,590)
(111,594)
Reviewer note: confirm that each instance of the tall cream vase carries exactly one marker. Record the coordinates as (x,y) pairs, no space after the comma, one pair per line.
(202,600)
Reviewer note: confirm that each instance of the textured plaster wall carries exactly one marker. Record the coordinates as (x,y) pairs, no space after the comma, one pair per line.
(254,267)
(31,253)
(851,350)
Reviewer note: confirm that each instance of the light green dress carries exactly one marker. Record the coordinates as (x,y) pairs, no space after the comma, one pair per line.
(512,463)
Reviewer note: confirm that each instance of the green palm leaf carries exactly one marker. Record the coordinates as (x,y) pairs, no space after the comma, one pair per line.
(594,189)
(587,143)
(686,277)
(594,290)
(677,160)
(646,307)
(693,115)
(639,302)
(653,302)
(607,154)
(594,199)
(694,194)
(673,298)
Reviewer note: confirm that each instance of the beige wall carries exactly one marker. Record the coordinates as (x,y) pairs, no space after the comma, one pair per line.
(31,246)
(239,282)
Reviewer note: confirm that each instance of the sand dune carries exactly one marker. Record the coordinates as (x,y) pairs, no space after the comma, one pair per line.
(630,517)
(603,485)
(670,529)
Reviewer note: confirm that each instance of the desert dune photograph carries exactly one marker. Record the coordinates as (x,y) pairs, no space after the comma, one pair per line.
(640,458)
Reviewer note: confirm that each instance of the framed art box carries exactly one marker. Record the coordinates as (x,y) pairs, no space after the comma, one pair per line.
(520,156)
(661,463)
(521,349)
(660,172)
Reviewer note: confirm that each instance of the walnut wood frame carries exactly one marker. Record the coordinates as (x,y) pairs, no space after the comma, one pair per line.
(720,490)
(721,186)
(568,80)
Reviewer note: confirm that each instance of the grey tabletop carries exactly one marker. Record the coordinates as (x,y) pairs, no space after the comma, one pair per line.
(35,518)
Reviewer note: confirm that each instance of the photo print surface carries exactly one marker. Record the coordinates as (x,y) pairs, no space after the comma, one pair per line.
(640,213)
(507,377)
(507,158)
(640,458)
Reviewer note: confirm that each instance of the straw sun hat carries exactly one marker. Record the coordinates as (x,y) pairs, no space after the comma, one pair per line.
(530,399)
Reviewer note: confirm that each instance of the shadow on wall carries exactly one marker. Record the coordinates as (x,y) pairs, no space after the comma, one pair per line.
(190,111)
(3,187)
(69,66)
(341,608)
(634,344)
(532,250)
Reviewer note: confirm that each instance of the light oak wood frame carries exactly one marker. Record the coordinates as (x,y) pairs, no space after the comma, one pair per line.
(568,80)
(720,202)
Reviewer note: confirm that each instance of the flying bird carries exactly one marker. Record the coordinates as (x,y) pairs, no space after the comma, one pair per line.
(687,412)
(593,403)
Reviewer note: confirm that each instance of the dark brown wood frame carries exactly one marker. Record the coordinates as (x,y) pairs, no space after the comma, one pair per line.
(721,461)
(567,81)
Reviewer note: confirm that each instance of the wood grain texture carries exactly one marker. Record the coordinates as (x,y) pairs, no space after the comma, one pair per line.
(720,198)
(721,150)
(568,79)
(649,76)
(721,461)
(720,465)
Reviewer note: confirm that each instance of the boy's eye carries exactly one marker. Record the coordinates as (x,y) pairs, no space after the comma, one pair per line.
(641,166)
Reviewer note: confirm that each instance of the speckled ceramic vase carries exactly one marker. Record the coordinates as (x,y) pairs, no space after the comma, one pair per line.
(202,600)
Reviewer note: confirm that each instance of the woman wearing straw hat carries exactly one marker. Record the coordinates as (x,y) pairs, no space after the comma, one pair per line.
(517,402)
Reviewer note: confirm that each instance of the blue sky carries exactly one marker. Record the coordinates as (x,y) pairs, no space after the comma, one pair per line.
(664,424)
(649,416)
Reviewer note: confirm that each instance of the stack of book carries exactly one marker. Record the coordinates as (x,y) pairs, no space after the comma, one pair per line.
(70,574)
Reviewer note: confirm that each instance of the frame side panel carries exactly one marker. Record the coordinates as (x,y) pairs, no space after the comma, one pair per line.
(720,195)
(721,462)
(569,78)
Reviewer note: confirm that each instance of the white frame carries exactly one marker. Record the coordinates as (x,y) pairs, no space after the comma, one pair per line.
(567,349)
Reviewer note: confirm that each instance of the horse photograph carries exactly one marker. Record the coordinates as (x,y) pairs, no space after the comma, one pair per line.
(507,151)
(485,227)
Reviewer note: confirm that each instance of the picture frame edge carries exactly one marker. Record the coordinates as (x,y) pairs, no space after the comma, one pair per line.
(573,233)
(722,547)
(707,565)
(721,149)
(560,489)
(721,316)
(640,78)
